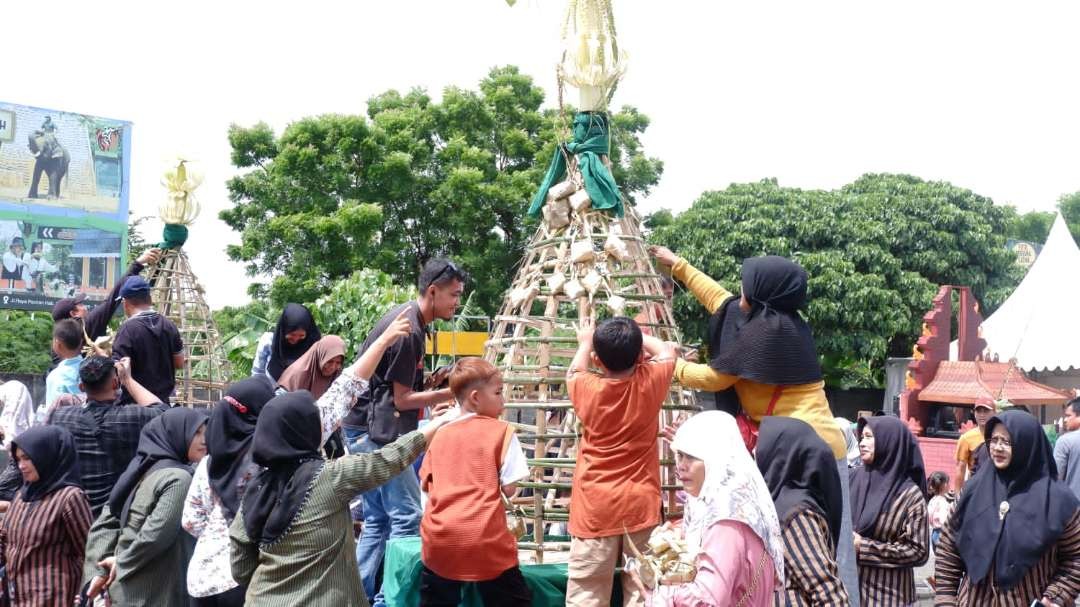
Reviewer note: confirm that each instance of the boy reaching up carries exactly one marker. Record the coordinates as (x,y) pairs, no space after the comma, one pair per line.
(472,462)
(617,475)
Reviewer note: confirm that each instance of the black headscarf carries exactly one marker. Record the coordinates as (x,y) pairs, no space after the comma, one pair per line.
(723,326)
(897,465)
(229,434)
(800,470)
(287,440)
(163,444)
(1039,506)
(282,353)
(52,450)
(772,344)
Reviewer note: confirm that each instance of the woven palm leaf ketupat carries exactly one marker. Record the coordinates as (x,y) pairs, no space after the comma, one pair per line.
(581,263)
(179,296)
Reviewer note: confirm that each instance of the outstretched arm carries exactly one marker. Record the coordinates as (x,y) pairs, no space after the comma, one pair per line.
(706,290)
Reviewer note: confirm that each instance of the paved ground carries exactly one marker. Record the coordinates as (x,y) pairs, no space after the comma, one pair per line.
(925,596)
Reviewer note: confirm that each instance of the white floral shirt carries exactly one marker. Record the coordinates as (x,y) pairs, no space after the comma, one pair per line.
(210,570)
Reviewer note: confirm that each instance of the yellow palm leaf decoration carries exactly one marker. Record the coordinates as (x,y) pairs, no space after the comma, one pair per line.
(180,206)
(591,60)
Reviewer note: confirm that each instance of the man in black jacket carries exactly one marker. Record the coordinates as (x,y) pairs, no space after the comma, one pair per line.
(151,341)
(95,322)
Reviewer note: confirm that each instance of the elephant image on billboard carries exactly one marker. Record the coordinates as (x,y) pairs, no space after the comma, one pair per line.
(60,160)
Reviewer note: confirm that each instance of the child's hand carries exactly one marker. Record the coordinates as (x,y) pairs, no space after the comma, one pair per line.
(441,408)
(585,332)
(668,431)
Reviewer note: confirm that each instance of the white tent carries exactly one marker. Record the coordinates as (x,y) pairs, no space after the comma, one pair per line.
(1039,325)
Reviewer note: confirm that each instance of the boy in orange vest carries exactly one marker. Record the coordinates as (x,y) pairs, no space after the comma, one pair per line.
(473,461)
(617,475)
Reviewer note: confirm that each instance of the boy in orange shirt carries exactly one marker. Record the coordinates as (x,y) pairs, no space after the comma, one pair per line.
(617,475)
(465,473)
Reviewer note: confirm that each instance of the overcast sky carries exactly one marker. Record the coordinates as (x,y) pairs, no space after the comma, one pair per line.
(982,94)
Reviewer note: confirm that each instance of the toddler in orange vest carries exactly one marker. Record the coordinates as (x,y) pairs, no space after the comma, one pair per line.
(471,463)
(617,474)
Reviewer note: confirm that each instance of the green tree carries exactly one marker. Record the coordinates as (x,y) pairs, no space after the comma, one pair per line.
(1032,226)
(411,180)
(355,304)
(1069,205)
(240,328)
(136,243)
(25,341)
(876,251)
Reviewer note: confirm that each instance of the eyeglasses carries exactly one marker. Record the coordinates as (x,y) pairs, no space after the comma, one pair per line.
(998,441)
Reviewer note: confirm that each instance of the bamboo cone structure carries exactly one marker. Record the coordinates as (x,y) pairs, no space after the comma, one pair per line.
(178,295)
(534,340)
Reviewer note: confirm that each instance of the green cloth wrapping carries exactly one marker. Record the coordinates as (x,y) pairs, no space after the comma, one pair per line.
(590,141)
(175,235)
(401,579)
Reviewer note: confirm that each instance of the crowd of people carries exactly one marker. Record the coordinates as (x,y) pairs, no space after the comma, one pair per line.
(113,495)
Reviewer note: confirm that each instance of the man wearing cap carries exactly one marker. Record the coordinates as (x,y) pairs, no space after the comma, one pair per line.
(106,433)
(151,341)
(95,322)
(967,448)
(15,261)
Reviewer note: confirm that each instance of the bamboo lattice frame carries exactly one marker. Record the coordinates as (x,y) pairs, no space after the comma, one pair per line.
(532,345)
(178,295)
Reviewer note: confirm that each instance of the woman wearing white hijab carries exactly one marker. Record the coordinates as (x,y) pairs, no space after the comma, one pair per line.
(730,519)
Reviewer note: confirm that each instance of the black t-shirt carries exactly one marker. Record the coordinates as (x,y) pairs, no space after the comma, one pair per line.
(402,362)
(150,340)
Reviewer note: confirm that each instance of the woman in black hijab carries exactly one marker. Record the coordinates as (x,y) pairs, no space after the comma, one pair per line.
(763,362)
(292,541)
(295,334)
(217,488)
(799,469)
(888,506)
(43,535)
(1014,537)
(136,548)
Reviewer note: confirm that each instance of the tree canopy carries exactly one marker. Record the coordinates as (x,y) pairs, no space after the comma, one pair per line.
(1034,226)
(876,251)
(412,179)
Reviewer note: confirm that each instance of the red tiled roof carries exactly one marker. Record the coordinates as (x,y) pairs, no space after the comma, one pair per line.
(962,381)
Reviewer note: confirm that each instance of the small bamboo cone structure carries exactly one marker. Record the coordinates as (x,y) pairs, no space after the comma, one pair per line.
(534,341)
(178,296)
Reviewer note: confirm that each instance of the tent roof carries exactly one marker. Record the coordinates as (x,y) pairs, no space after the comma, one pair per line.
(1038,325)
(961,381)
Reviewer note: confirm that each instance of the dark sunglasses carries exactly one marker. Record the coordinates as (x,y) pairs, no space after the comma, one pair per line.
(451,270)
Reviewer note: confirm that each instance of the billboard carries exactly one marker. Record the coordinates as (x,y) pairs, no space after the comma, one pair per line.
(63,204)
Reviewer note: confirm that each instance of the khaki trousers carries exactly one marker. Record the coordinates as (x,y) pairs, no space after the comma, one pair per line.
(592,570)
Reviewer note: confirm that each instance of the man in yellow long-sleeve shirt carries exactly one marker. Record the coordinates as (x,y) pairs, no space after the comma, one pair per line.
(767,355)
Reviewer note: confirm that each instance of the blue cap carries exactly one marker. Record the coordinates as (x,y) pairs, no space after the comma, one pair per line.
(134,285)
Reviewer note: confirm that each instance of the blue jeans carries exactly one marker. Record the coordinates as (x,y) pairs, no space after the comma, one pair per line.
(845,550)
(390,511)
